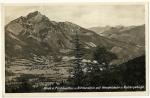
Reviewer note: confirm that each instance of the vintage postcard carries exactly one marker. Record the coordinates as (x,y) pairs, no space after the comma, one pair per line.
(69,48)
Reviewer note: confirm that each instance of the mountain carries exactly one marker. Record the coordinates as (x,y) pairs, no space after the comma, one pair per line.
(37,34)
(130,35)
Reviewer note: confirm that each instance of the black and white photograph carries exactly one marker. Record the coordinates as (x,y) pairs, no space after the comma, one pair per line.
(75,47)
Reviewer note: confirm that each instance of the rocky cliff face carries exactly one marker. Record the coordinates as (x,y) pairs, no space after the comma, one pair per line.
(36,34)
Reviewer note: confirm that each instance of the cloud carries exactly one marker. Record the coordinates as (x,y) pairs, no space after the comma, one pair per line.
(85,15)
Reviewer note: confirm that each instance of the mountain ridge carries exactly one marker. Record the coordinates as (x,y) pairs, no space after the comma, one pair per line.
(131,34)
(40,34)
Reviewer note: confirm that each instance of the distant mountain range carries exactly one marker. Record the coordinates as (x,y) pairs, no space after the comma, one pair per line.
(36,34)
(131,34)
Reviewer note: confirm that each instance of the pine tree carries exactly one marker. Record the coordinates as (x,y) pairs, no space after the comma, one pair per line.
(77,64)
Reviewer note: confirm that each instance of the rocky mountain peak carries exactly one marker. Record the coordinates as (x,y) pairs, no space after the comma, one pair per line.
(36,17)
(33,14)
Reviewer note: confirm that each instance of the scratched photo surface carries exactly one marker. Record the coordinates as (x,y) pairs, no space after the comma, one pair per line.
(78,47)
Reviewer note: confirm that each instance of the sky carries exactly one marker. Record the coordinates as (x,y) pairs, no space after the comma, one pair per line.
(86,15)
